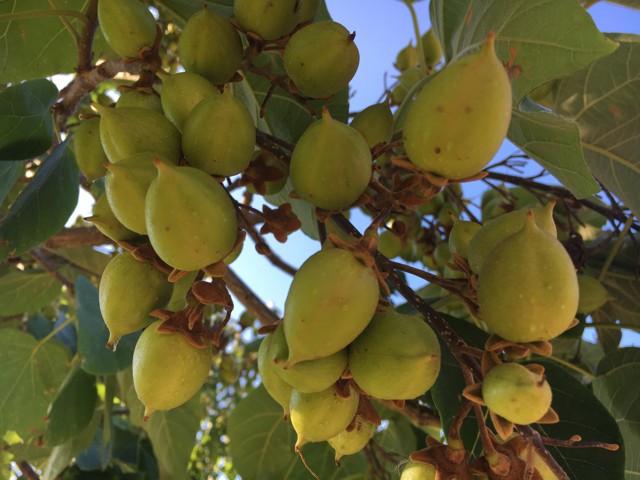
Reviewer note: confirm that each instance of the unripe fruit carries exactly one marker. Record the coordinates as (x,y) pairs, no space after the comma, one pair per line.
(167,369)
(270,20)
(375,124)
(593,294)
(219,136)
(460,236)
(127,25)
(129,291)
(190,219)
(88,150)
(127,131)
(397,357)
(432,48)
(321,59)
(331,300)
(306,377)
(441,255)
(308,10)
(516,393)
(107,223)
(331,164)
(407,58)
(418,471)
(447,130)
(279,390)
(136,98)
(181,93)
(528,288)
(321,415)
(390,245)
(495,231)
(223,54)
(353,441)
(406,80)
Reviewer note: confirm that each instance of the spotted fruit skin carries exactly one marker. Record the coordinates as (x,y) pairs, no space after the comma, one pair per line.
(460,118)
(331,164)
(107,223)
(181,93)
(397,357)
(270,20)
(88,150)
(220,60)
(349,442)
(375,124)
(516,393)
(528,287)
(321,59)
(129,290)
(418,471)
(190,219)
(127,25)
(279,390)
(167,369)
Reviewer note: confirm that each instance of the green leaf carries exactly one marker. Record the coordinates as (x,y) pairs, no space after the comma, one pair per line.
(24,292)
(25,121)
(604,100)
(181,10)
(9,173)
(624,287)
(568,42)
(85,259)
(173,436)
(93,335)
(555,144)
(44,206)
(619,358)
(30,375)
(628,3)
(399,436)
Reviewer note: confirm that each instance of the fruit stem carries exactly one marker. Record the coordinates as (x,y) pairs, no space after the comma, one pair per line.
(616,248)
(416,30)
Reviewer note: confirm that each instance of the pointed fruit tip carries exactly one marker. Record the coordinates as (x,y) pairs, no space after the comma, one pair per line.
(147,413)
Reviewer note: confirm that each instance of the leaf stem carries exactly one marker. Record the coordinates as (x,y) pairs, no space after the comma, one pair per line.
(416,31)
(67,24)
(616,248)
(573,367)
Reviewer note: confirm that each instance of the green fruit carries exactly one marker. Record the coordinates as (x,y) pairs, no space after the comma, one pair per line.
(431,206)
(593,294)
(460,118)
(127,25)
(306,377)
(495,231)
(321,59)
(223,54)
(229,370)
(528,287)
(375,124)
(107,223)
(448,210)
(88,150)
(331,300)
(321,415)
(127,131)
(389,245)
(219,136)
(308,10)
(418,471)
(461,235)
(397,357)
(191,221)
(441,254)
(432,49)
(279,390)
(129,291)
(270,20)
(167,369)
(516,393)
(181,93)
(331,164)
(406,80)
(138,99)
(407,58)
(349,442)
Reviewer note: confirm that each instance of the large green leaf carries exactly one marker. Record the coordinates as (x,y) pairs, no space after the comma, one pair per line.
(29,378)
(43,206)
(9,173)
(624,287)
(85,259)
(620,357)
(568,42)
(24,292)
(604,100)
(181,10)
(25,121)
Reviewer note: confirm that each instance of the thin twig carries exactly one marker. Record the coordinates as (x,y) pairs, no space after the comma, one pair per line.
(37,255)
(27,471)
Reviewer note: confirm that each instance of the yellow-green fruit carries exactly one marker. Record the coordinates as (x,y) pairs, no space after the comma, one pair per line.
(331,300)
(136,98)
(129,291)
(321,415)
(397,357)
(308,10)
(540,465)
(182,92)
(127,131)
(441,254)
(127,25)
(406,81)
(407,58)
(270,20)
(593,294)
(306,377)
(375,124)
(190,218)
(460,236)
(167,369)
(353,441)
(331,164)
(498,229)
(88,150)
(460,118)
(321,59)
(389,245)
(223,54)
(516,393)
(279,390)
(432,48)
(418,471)
(107,223)
(219,136)
(528,287)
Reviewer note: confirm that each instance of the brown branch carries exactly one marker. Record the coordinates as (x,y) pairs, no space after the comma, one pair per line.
(37,255)
(85,44)
(77,237)
(528,432)
(576,442)
(418,414)
(249,299)
(27,471)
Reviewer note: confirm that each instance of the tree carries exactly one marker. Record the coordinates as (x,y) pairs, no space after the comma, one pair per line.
(273,135)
